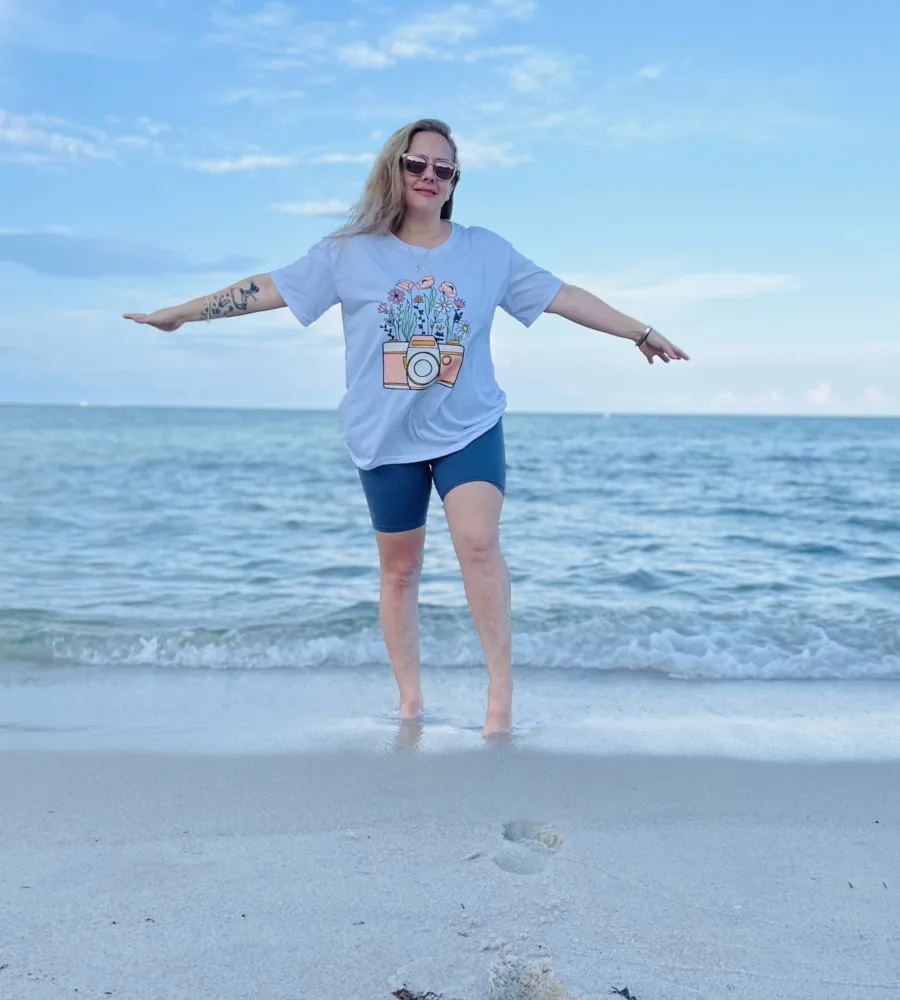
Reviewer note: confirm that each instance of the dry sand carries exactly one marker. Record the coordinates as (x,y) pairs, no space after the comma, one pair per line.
(471,875)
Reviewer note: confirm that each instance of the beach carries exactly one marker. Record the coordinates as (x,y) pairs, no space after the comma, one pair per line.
(206,793)
(471,875)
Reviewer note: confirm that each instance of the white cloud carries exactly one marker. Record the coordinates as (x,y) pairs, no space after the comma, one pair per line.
(651,72)
(428,36)
(250,161)
(261,96)
(539,71)
(477,155)
(519,10)
(377,134)
(725,398)
(612,121)
(497,52)
(278,37)
(772,396)
(821,394)
(875,394)
(154,128)
(329,207)
(362,55)
(343,158)
(686,290)
(42,139)
(16,231)
(46,137)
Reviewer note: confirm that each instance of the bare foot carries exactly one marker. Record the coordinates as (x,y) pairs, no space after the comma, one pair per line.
(410,708)
(498,719)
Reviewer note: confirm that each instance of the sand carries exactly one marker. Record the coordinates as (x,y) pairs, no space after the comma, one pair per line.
(492,875)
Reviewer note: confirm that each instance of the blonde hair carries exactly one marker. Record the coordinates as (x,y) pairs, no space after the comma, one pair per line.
(381,208)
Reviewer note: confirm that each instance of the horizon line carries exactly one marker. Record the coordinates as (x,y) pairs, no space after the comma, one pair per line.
(85,405)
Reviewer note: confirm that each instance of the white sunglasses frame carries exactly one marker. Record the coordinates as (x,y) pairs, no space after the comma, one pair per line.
(428,159)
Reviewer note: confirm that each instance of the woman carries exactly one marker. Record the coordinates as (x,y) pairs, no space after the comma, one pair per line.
(418,293)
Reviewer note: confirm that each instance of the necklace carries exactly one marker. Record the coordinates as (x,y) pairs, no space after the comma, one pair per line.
(420,262)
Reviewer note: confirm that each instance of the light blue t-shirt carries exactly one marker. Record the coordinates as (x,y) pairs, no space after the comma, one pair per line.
(419,374)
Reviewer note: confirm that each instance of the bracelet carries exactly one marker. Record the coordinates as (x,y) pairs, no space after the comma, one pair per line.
(644,336)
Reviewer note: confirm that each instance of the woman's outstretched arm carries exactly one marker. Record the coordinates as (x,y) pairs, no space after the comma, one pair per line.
(583,307)
(255,294)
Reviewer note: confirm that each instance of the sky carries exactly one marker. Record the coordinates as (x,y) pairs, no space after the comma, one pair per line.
(725,172)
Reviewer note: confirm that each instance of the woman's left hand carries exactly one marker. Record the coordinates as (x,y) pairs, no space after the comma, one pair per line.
(656,346)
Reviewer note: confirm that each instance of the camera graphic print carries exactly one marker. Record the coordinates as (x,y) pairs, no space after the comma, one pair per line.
(425,331)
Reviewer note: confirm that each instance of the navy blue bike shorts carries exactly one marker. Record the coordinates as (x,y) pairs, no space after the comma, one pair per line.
(398,494)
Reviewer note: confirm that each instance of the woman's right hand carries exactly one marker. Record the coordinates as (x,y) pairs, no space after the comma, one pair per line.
(163,319)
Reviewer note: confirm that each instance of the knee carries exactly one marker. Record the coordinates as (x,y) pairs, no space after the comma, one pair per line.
(479,547)
(401,572)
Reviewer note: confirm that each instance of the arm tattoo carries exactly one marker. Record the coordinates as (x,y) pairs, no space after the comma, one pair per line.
(232,300)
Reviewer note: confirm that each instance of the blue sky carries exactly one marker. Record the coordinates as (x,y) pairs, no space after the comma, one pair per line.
(725,172)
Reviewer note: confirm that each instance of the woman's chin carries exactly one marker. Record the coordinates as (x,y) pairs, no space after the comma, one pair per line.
(422,205)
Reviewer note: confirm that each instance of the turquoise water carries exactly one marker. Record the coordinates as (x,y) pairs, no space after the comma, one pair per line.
(709,549)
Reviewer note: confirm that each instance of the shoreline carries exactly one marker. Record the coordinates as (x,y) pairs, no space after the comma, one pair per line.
(302,710)
(171,875)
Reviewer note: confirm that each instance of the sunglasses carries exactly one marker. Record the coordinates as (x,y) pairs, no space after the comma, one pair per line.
(415,164)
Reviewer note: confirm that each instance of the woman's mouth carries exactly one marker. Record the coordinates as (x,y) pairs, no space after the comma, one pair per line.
(430,193)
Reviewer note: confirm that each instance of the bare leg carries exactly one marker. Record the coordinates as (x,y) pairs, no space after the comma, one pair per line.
(400,555)
(473,513)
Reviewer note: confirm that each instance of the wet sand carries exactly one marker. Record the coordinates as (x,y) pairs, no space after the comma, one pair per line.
(470,874)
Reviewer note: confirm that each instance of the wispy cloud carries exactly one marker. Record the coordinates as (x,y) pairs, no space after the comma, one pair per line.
(67,256)
(362,55)
(622,112)
(343,158)
(152,127)
(262,95)
(496,52)
(249,161)
(540,71)
(475,154)
(328,207)
(46,139)
(688,289)
(277,36)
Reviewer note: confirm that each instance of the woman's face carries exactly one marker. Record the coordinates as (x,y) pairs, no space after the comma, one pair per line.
(425,194)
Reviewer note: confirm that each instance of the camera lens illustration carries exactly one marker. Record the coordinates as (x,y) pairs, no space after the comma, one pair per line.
(423,362)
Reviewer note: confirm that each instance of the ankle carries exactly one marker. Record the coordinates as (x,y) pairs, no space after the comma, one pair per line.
(410,708)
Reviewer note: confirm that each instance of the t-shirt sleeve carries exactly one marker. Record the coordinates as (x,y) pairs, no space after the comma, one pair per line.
(308,286)
(529,288)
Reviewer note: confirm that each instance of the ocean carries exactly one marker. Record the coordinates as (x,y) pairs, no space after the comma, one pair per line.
(208,578)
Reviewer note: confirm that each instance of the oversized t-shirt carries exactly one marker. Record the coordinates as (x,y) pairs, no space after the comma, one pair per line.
(420,379)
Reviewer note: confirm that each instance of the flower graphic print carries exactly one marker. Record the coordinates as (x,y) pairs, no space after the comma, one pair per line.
(425,330)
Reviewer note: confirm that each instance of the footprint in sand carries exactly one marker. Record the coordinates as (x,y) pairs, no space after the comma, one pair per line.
(526,847)
(532,834)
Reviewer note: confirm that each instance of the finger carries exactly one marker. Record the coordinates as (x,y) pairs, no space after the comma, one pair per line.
(137,317)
